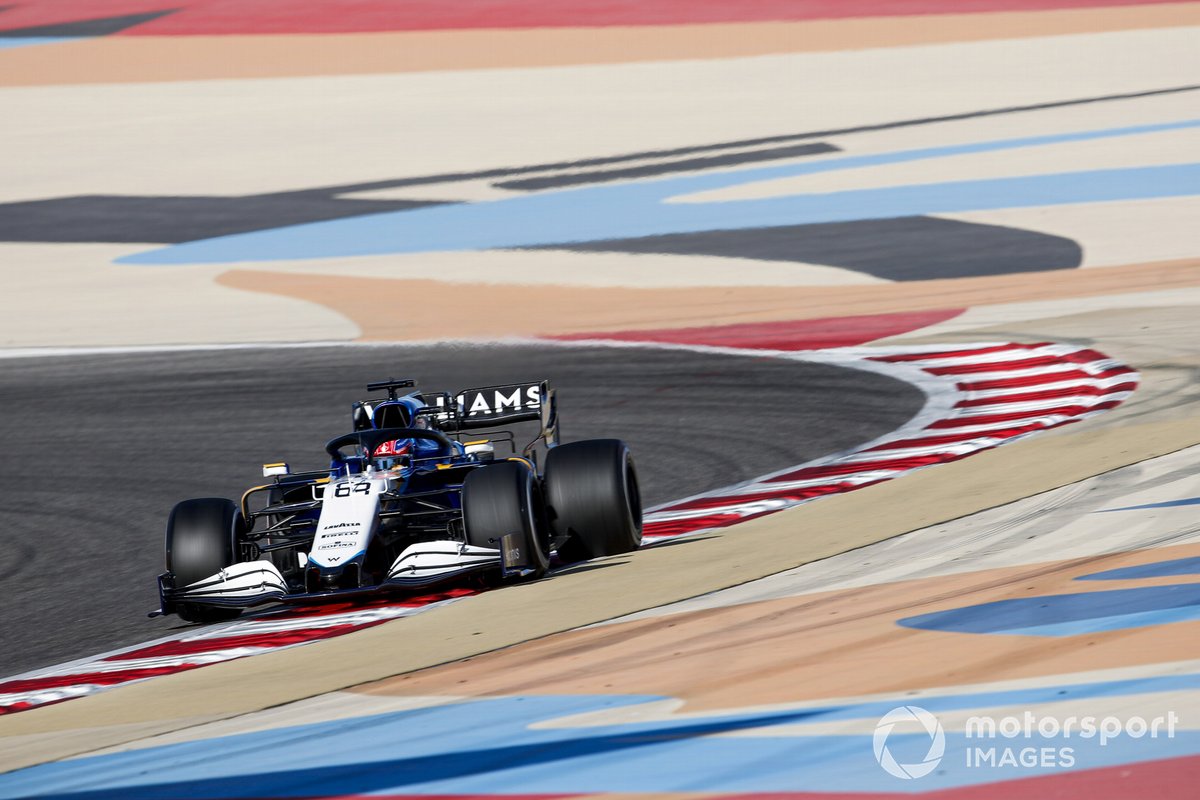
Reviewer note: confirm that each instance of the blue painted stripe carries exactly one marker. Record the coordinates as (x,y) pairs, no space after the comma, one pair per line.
(1068,614)
(556,219)
(11,42)
(727,179)
(640,209)
(1117,622)
(501,746)
(1190,501)
(1159,569)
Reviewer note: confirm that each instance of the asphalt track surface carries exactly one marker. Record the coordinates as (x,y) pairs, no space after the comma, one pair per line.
(99,448)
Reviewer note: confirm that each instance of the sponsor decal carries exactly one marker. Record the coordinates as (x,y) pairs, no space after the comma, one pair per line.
(501,401)
(510,552)
(339,534)
(497,400)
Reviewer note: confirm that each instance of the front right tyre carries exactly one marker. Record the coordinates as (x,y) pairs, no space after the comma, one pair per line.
(593,498)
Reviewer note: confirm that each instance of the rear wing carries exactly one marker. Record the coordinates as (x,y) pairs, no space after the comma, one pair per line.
(495,406)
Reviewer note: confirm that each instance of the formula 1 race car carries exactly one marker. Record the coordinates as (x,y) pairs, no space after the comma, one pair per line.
(408,501)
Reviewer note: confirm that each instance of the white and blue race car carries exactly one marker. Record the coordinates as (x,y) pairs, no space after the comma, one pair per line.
(415,495)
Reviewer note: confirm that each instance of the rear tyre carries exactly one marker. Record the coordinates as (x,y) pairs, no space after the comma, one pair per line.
(500,499)
(202,539)
(593,498)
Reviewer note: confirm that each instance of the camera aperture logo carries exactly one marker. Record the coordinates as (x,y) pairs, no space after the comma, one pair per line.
(907,716)
(1028,741)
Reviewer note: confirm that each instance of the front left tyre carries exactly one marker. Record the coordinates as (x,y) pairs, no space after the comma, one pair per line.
(502,499)
(202,540)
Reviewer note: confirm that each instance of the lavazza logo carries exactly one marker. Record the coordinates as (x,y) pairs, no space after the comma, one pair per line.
(1028,741)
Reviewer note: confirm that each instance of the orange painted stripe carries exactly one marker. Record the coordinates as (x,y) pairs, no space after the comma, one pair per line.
(138,59)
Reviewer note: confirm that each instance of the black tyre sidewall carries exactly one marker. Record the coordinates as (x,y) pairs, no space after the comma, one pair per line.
(201,540)
(593,498)
(504,498)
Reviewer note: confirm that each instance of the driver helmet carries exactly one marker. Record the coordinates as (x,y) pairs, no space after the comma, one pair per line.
(392,454)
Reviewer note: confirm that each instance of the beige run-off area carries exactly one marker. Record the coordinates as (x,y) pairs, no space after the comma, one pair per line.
(154,117)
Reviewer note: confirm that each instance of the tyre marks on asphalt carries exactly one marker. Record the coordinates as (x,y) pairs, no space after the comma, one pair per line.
(131,434)
(980,396)
(918,248)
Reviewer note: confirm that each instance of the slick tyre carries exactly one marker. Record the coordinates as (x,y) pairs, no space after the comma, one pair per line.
(593,499)
(202,539)
(504,498)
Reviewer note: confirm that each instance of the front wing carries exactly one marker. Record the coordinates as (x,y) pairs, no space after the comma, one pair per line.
(253,583)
